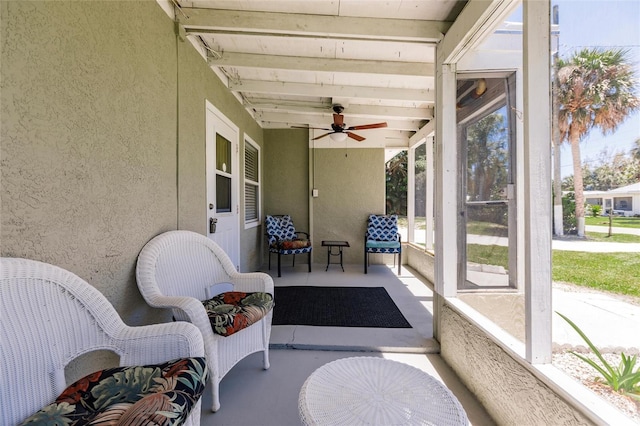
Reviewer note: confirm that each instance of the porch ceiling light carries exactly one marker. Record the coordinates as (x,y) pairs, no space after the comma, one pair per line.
(338,136)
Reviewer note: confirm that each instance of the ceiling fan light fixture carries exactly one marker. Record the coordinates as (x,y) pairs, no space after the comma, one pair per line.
(338,137)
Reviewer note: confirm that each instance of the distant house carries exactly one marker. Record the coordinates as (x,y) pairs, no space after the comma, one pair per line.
(625,200)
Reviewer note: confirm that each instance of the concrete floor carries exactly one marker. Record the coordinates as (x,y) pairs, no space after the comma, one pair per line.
(252,396)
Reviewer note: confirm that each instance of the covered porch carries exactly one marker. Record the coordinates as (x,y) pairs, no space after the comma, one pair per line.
(108,109)
(297,351)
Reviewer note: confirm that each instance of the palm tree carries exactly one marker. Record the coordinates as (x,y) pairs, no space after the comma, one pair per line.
(635,151)
(595,89)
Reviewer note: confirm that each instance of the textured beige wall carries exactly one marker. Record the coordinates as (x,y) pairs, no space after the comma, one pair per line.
(421,261)
(286,175)
(510,393)
(351,185)
(88,139)
(89,147)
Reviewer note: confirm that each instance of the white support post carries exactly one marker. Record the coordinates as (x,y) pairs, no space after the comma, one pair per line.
(429,196)
(411,194)
(446,256)
(537,177)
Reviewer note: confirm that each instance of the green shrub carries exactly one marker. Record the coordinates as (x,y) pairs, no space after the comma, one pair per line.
(595,210)
(622,379)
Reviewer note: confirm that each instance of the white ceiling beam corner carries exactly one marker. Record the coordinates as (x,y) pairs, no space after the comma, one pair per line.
(202,51)
(477,20)
(300,63)
(329,91)
(423,133)
(167,6)
(380,29)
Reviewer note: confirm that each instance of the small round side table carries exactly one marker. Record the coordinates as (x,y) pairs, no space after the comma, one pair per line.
(376,391)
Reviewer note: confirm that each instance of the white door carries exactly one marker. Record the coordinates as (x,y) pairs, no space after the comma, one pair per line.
(223,220)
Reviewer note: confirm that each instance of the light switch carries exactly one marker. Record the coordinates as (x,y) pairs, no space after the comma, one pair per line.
(314,192)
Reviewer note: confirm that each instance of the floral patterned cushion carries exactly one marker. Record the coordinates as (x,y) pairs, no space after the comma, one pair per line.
(232,311)
(161,394)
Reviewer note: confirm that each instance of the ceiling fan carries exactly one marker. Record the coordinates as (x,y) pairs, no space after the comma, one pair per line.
(339,132)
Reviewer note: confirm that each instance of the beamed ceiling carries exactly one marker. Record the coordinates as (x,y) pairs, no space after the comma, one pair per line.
(288,62)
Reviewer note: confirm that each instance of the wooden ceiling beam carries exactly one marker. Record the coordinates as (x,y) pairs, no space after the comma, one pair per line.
(266,23)
(327,90)
(370,111)
(300,63)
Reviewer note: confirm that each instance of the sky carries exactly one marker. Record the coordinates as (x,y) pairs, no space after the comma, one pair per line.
(604,24)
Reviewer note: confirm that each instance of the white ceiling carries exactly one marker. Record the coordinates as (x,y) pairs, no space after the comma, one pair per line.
(289,61)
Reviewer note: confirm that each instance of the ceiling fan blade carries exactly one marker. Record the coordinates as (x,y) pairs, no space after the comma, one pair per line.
(322,136)
(354,136)
(338,120)
(368,126)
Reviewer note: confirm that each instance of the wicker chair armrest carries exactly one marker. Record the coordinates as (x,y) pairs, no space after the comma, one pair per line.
(252,282)
(192,308)
(157,343)
(306,234)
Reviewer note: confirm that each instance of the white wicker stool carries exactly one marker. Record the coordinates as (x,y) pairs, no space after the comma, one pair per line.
(376,391)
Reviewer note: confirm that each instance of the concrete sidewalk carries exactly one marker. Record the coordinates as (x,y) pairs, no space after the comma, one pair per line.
(594,246)
(618,230)
(612,323)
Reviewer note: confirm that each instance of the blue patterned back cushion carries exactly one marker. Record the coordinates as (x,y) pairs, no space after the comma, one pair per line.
(280,226)
(382,228)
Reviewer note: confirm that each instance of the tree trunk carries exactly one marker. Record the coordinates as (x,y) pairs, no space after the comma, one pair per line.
(558,225)
(558,219)
(577,181)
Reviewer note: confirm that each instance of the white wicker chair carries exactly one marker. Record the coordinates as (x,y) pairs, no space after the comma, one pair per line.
(175,269)
(50,317)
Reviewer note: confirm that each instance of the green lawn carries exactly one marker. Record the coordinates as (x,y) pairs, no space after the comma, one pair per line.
(618,221)
(615,238)
(613,272)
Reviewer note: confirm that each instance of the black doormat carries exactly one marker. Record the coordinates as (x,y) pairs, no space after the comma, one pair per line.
(336,307)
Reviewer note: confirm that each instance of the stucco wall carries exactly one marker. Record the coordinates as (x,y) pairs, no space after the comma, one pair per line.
(88,139)
(286,175)
(509,392)
(351,185)
(421,261)
(95,159)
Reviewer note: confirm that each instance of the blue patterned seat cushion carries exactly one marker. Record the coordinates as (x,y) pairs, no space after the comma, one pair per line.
(159,394)
(383,244)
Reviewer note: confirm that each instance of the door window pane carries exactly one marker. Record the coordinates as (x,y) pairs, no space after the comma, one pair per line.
(223,154)
(223,194)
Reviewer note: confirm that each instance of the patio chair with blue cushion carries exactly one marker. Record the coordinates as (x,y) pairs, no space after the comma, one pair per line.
(283,239)
(50,317)
(382,237)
